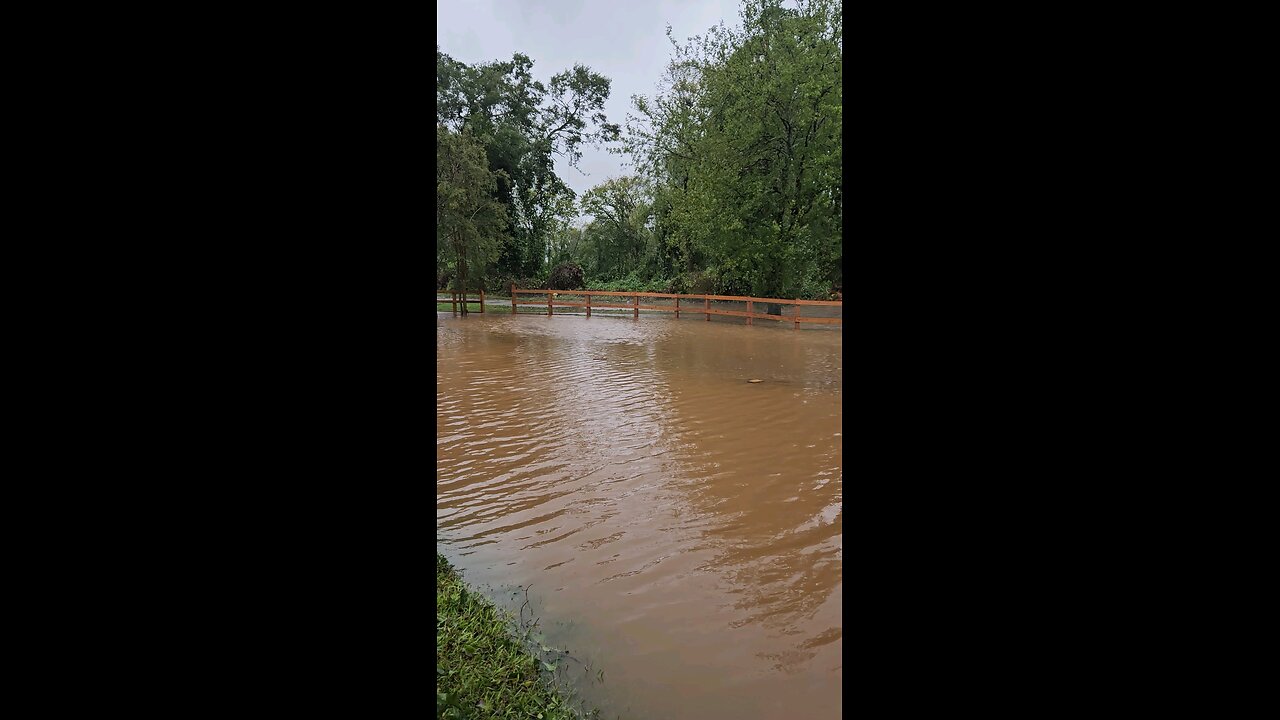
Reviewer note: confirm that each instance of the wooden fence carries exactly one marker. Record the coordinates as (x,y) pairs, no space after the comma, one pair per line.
(794,317)
(459,299)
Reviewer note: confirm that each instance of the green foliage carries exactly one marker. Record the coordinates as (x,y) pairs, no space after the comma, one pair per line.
(482,671)
(620,240)
(681,283)
(468,220)
(659,284)
(770,144)
(712,281)
(499,285)
(737,160)
(523,125)
(740,155)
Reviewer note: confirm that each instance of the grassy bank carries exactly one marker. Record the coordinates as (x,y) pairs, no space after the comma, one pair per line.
(475,308)
(482,671)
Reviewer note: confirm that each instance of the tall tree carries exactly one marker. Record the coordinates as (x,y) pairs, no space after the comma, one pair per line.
(523,125)
(744,143)
(469,222)
(621,219)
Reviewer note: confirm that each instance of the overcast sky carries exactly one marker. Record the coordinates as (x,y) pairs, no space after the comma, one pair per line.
(624,41)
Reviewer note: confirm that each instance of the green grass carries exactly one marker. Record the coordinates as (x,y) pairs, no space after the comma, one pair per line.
(475,308)
(482,670)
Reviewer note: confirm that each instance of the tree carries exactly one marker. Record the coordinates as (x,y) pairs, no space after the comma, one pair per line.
(576,114)
(567,244)
(621,218)
(469,221)
(743,143)
(523,125)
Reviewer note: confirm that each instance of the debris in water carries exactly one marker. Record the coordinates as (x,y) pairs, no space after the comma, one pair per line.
(754,380)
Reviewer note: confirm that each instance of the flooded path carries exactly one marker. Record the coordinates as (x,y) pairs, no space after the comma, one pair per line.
(681,528)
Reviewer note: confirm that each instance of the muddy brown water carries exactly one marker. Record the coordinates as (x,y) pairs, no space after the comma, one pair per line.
(675,526)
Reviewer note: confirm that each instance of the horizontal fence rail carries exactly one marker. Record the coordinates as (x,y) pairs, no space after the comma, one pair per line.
(705,309)
(457,298)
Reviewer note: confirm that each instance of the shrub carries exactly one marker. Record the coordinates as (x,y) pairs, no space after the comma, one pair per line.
(703,283)
(565,276)
(731,282)
(656,285)
(678,284)
(498,284)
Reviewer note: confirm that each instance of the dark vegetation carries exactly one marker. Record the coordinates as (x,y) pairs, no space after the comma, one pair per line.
(566,276)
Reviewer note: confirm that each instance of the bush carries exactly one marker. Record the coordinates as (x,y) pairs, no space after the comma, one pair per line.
(678,284)
(498,284)
(565,276)
(657,285)
(730,281)
(703,283)
(629,283)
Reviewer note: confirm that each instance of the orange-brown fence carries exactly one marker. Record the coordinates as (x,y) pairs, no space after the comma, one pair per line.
(704,308)
(457,298)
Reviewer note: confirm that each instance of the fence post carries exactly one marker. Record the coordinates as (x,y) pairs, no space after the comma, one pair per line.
(749,312)
(797,314)
(636,313)
(706,305)
(677,307)
(588,304)
(513,298)
(548,303)
(482,300)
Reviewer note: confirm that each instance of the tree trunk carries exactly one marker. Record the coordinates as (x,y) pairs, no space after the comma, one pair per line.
(462,282)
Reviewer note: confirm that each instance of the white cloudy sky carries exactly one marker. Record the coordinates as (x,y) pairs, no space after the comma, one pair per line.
(624,41)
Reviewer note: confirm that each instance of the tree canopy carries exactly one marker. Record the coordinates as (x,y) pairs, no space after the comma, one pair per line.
(737,161)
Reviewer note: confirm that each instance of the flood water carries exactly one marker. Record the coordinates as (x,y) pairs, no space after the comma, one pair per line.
(677,528)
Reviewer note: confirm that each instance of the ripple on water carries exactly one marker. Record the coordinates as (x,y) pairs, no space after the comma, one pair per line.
(688,524)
